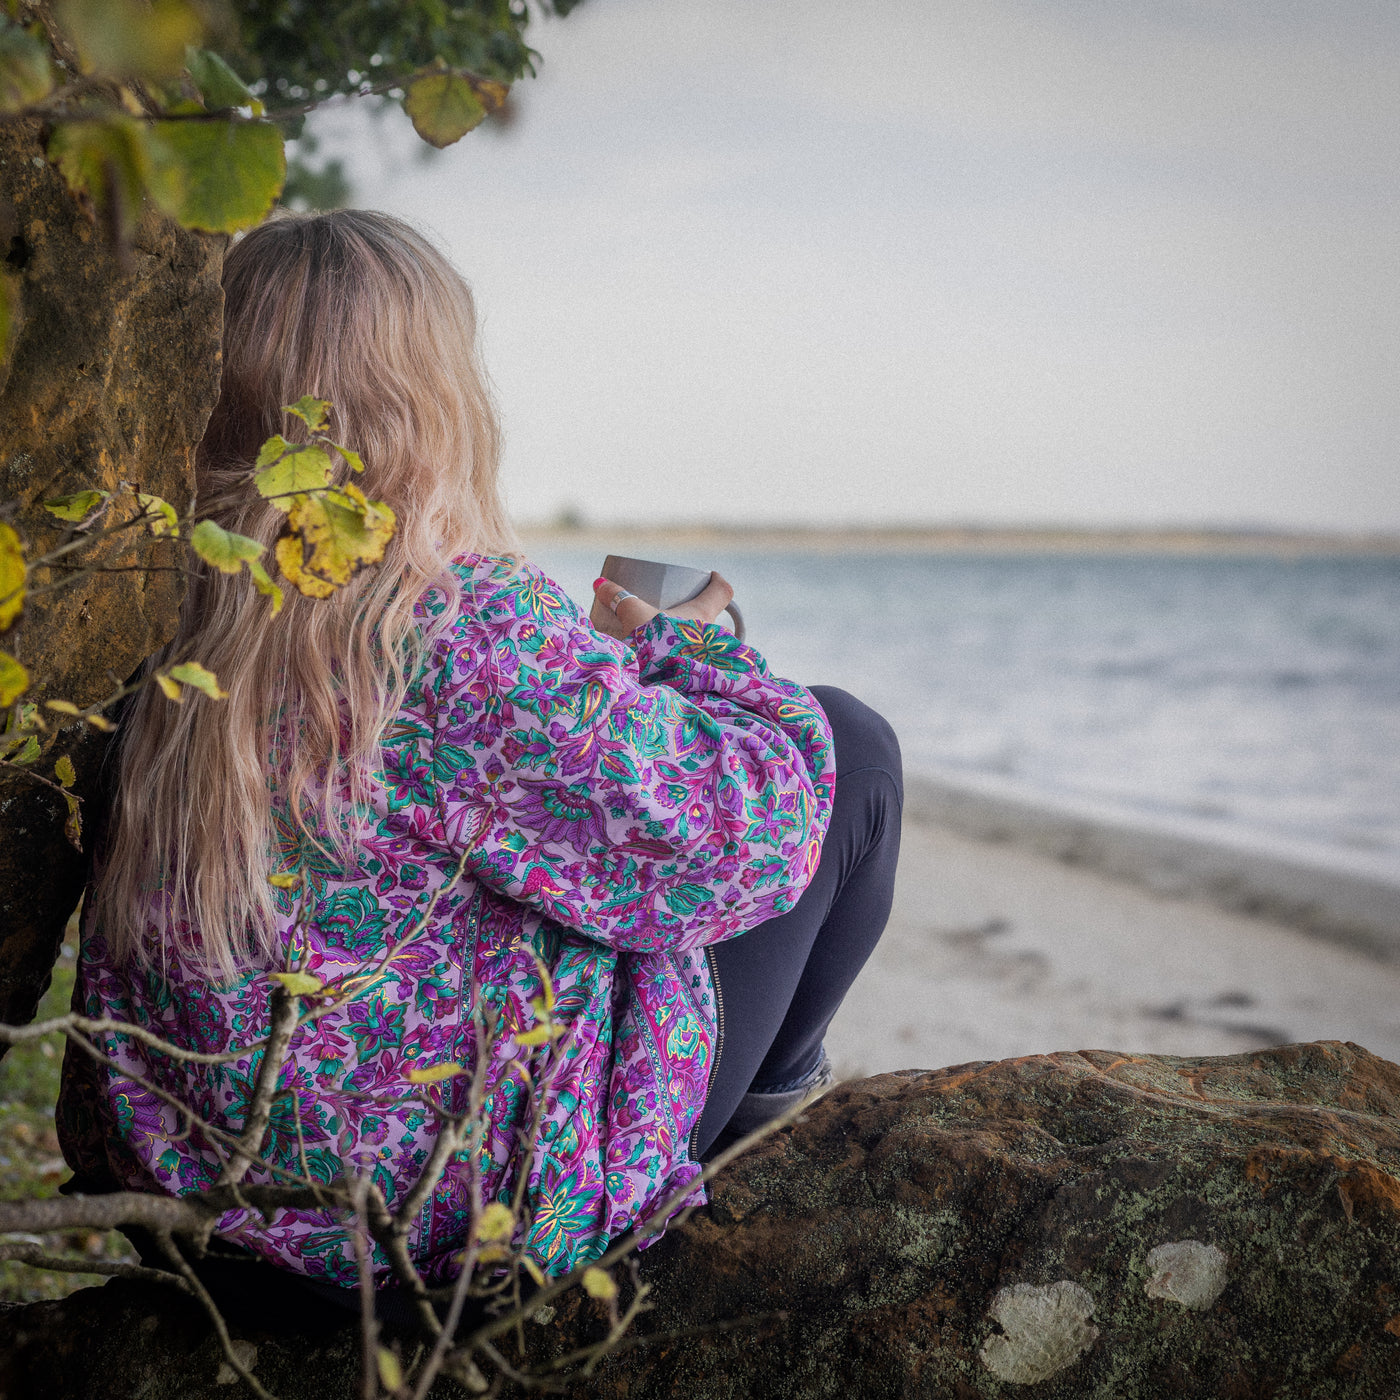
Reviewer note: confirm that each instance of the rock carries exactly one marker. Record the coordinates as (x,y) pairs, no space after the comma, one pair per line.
(112,372)
(1085,1226)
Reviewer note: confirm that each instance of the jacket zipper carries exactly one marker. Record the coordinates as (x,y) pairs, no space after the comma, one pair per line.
(719,1042)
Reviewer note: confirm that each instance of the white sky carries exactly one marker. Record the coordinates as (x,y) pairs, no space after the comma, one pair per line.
(993,261)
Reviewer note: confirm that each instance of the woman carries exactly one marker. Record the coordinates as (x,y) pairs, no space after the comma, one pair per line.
(624,797)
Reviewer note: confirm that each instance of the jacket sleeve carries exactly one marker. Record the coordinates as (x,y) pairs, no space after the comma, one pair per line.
(658,795)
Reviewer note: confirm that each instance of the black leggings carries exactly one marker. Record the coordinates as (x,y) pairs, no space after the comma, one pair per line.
(782,982)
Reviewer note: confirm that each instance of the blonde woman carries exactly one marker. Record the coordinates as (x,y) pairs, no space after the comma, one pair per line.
(631,793)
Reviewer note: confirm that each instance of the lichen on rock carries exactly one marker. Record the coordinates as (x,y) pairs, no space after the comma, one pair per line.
(1045,1327)
(1187,1272)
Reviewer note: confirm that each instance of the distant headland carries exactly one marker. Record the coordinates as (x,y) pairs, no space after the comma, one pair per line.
(960,539)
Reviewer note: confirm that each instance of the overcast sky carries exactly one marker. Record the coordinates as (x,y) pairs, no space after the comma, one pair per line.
(990,261)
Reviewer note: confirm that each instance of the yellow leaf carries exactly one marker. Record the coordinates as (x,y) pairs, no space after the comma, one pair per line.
(312,411)
(492,1254)
(353,460)
(496,1222)
(163,518)
(293,470)
(100,723)
(192,673)
(533,1270)
(225,550)
(434,1074)
(390,1372)
(171,688)
(541,1035)
(443,107)
(285,879)
(76,507)
(63,771)
(298,984)
(14,680)
(62,707)
(329,537)
(12,577)
(599,1283)
(262,581)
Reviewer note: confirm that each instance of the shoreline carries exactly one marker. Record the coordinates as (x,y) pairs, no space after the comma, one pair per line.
(965,539)
(996,949)
(1345,897)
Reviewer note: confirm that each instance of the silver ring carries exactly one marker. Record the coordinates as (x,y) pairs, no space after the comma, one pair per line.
(623,594)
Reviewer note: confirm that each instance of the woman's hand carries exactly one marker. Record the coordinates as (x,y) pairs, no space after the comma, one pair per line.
(632,612)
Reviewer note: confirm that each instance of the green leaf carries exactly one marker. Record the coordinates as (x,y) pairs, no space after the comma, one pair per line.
(193,674)
(218,84)
(331,536)
(14,680)
(353,460)
(264,584)
(219,176)
(297,469)
(25,72)
(130,38)
(76,507)
(12,576)
(164,519)
(435,1074)
(107,163)
(28,751)
(63,771)
(390,1371)
(312,411)
(443,107)
(299,984)
(225,550)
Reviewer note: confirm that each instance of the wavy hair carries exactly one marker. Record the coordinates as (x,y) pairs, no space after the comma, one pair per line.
(358,308)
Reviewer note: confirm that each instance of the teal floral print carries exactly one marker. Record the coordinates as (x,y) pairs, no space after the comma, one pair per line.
(620,805)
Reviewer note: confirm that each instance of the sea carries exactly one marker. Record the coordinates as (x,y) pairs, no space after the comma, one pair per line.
(1255,695)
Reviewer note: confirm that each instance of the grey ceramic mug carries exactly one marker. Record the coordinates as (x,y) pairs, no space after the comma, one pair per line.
(663,585)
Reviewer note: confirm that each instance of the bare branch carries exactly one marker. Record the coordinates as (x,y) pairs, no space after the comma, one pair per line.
(284,1020)
(181,1266)
(39,1258)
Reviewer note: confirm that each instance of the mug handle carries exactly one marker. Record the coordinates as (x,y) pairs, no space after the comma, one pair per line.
(733,610)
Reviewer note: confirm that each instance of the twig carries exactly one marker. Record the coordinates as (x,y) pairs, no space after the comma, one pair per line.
(284,1019)
(38,1258)
(181,1265)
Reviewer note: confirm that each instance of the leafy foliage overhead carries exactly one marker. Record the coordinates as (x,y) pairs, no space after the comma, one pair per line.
(312,48)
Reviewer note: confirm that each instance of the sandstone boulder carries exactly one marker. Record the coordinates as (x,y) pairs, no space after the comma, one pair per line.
(113,369)
(1087,1226)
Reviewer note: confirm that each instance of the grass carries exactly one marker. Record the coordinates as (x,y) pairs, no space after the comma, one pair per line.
(31,1166)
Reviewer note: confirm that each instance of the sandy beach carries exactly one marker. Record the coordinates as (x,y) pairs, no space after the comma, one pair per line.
(995,949)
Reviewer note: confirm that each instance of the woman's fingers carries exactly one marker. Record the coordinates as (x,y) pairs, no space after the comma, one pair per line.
(707,605)
(630,613)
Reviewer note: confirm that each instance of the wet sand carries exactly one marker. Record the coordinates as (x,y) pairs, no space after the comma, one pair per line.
(995,949)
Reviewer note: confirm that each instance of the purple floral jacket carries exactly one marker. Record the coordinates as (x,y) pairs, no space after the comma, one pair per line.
(621,805)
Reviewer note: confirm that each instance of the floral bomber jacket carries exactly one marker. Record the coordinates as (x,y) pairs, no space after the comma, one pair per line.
(621,805)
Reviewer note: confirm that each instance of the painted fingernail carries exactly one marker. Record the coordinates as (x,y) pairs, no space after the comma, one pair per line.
(599,582)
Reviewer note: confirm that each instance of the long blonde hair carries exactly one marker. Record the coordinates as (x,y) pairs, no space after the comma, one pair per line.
(358,308)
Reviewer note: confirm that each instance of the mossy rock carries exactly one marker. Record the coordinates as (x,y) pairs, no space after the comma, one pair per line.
(1077,1226)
